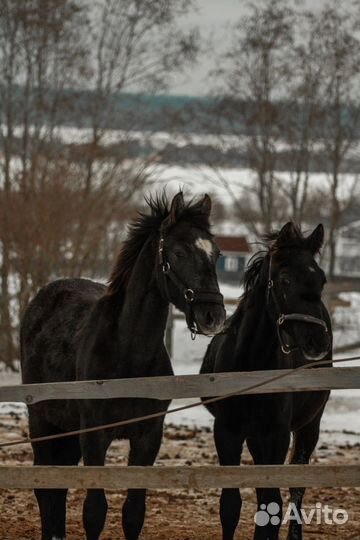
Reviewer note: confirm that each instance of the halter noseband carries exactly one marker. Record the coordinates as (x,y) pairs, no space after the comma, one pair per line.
(191,296)
(282,317)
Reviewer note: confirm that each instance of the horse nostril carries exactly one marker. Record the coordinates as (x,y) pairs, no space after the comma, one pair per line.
(312,345)
(315,345)
(209,319)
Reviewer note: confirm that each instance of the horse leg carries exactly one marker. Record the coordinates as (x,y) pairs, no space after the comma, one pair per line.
(305,442)
(52,502)
(270,448)
(94,447)
(229,447)
(144,448)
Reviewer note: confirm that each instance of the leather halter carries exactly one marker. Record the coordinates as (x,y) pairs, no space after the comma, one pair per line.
(282,317)
(191,296)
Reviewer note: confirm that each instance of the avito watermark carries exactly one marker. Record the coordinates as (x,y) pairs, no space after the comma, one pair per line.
(319,514)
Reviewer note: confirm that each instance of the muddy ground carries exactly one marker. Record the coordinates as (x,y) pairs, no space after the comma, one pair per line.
(176,515)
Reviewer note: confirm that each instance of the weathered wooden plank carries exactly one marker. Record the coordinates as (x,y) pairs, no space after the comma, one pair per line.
(180,477)
(343,285)
(186,386)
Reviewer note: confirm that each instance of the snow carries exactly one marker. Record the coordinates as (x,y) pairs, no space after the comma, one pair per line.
(197,178)
(230,292)
(226,184)
(341,420)
(347,320)
(159,139)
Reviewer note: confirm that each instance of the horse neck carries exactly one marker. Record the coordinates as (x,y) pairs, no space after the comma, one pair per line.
(257,344)
(143,316)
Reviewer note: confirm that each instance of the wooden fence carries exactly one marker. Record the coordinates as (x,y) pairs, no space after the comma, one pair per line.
(187,386)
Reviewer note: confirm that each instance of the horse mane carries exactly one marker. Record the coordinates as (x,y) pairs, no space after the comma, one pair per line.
(145,226)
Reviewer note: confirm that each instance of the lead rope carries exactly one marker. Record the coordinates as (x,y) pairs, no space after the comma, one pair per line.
(122,423)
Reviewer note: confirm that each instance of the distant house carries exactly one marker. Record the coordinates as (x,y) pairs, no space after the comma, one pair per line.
(235,254)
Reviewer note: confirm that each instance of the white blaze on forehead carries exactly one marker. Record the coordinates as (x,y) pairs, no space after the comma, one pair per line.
(204,245)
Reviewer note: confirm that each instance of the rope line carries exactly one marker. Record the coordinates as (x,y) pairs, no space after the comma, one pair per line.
(29,440)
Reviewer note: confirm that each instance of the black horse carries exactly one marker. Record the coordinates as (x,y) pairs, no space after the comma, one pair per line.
(280,322)
(77,329)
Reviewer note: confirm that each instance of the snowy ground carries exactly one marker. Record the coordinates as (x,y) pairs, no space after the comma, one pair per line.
(226,183)
(199,178)
(341,420)
(347,320)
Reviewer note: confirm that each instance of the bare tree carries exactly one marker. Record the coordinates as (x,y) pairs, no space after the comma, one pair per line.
(337,48)
(253,79)
(299,120)
(37,42)
(62,204)
(287,92)
(135,45)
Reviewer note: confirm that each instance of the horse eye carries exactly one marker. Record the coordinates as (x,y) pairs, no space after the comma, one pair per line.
(179,254)
(285,281)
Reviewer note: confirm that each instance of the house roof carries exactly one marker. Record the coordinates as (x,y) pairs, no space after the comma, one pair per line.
(233,243)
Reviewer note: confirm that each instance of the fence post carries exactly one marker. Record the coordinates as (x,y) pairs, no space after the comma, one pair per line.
(169,332)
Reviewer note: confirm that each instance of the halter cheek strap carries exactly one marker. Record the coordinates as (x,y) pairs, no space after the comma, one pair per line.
(191,296)
(281,318)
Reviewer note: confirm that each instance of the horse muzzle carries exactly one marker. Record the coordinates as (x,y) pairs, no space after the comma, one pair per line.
(316,347)
(209,318)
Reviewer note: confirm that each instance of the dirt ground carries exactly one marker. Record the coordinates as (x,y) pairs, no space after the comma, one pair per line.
(176,515)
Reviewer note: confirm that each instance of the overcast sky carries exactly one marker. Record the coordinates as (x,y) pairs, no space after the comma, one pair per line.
(213,19)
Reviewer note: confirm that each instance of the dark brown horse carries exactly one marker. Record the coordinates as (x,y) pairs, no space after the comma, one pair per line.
(281,322)
(77,329)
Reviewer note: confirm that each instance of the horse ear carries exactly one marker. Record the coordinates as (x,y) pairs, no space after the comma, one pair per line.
(177,205)
(288,233)
(316,239)
(206,205)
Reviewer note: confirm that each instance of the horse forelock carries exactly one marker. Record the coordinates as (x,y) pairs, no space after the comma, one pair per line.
(273,245)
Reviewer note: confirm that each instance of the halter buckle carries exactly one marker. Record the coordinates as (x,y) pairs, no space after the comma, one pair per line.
(270,283)
(286,349)
(281,319)
(165,267)
(189,295)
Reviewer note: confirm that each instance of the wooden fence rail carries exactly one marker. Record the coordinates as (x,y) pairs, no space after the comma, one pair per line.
(187,386)
(110,477)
